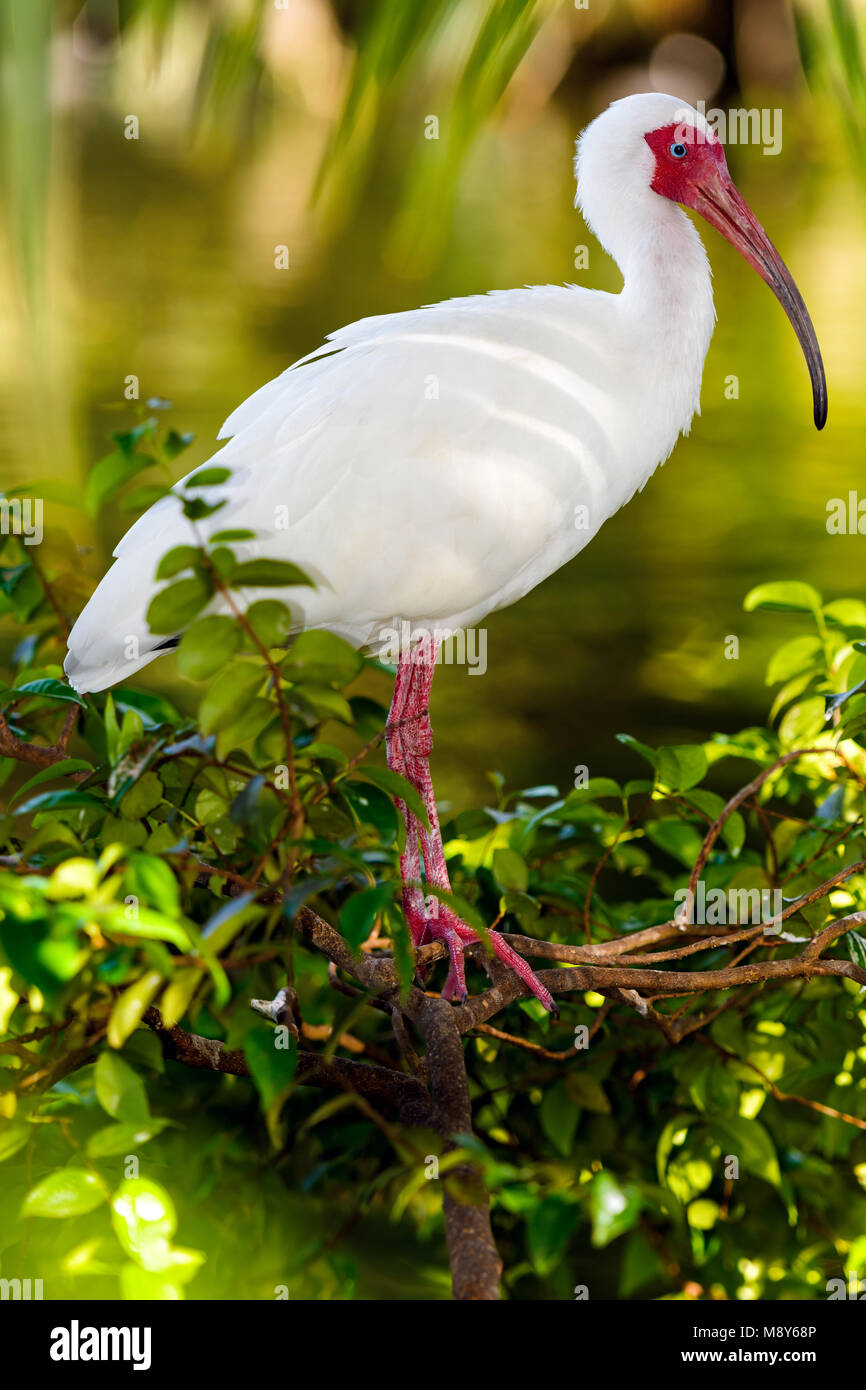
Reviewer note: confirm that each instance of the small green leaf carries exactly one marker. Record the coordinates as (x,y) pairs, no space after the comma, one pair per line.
(207,646)
(682,767)
(50,690)
(47,774)
(637,747)
(109,475)
(68,1192)
(510,870)
(269,574)
(271,621)
(228,537)
(748,1141)
(360,912)
(786,596)
(550,1227)
(122,1138)
(614,1208)
(120,1090)
(175,443)
(128,1008)
(271,1067)
(229,695)
(559,1117)
(143,797)
(322,658)
(799,655)
(63,798)
(395,785)
(174,607)
(208,477)
(182,557)
(150,879)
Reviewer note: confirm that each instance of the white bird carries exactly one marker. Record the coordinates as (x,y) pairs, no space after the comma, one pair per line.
(435,465)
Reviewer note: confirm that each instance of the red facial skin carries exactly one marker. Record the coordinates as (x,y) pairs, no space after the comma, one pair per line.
(674,178)
(699,179)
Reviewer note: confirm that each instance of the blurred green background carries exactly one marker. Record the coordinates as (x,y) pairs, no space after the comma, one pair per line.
(302,124)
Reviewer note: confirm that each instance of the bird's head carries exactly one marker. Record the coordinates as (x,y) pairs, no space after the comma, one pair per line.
(650,147)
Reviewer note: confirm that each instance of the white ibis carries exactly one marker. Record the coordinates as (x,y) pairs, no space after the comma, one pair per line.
(432,464)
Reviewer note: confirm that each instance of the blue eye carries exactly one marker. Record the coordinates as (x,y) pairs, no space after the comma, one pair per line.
(678,151)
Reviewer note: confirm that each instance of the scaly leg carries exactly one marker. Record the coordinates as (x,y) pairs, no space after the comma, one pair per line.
(409,748)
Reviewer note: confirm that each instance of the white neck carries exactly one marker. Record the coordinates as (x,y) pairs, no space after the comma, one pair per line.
(667,294)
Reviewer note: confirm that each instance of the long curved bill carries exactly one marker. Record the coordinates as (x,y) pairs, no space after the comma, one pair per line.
(717,200)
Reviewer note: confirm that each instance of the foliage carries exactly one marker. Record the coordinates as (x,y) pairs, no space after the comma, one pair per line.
(162,860)
(830,40)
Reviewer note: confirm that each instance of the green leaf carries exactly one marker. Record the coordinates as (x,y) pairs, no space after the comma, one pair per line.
(207,646)
(856,948)
(637,747)
(12,1138)
(799,655)
(178,995)
(64,798)
(360,912)
(128,1008)
(197,509)
(786,596)
(68,1192)
(150,879)
(595,788)
(175,443)
(678,1125)
(559,1117)
(271,1067)
(846,612)
(47,774)
(138,499)
(229,695)
(50,690)
(144,1222)
(395,785)
(748,1141)
(271,621)
(109,475)
(587,1092)
(551,1225)
(324,703)
(228,537)
(221,929)
(510,870)
(182,557)
(120,1090)
(682,767)
(614,1208)
(208,477)
(123,1138)
(176,606)
(322,658)
(678,839)
(143,797)
(269,574)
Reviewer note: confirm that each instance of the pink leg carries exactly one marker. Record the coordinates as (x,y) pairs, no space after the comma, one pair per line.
(412,744)
(410,859)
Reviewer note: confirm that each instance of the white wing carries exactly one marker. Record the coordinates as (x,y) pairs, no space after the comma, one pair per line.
(426,466)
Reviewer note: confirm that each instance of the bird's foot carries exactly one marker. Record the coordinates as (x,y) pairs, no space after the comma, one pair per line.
(444,925)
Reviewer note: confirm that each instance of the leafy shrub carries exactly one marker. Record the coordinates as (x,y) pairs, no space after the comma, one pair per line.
(154,868)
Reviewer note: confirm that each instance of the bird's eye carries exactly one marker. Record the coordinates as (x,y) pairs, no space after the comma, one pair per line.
(678,151)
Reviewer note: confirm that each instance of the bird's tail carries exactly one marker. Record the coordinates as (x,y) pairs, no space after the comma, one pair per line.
(111,639)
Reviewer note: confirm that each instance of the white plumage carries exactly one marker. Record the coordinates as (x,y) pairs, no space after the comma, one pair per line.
(431,466)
